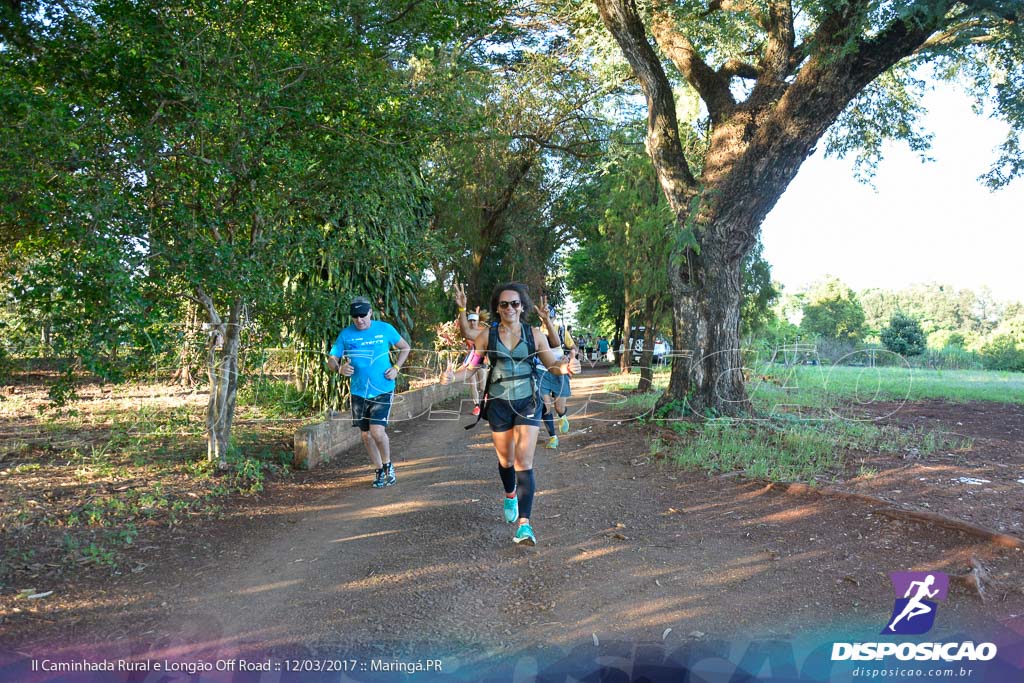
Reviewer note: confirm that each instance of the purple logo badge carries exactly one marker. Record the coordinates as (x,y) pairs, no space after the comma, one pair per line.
(916,593)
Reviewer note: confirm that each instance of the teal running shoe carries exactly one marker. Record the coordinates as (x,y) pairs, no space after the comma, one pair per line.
(563,424)
(524,535)
(511,509)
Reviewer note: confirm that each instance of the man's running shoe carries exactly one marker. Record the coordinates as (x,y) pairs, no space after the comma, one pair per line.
(385,476)
(553,442)
(476,410)
(563,424)
(511,509)
(524,535)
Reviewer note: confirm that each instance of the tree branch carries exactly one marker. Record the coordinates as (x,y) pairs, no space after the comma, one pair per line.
(781,38)
(663,141)
(739,6)
(956,32)
(712,87)
(737,67)
(204,300)
(547,144)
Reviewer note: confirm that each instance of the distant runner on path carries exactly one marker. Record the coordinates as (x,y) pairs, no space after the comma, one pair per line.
(512,406)
(363,352)
(469,324)
(554,389)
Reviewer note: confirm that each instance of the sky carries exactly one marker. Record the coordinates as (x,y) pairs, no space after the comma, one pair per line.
(923,222)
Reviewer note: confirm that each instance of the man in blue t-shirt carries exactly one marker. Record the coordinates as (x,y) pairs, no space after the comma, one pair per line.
(363,353)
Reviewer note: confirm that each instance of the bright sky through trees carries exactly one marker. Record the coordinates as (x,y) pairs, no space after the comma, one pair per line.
(926,222)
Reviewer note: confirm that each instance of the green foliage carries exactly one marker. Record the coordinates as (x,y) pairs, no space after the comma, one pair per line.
(1002,353)
(935,306)
(942,339)
(903,336)
(888,108)
(62,392)
(1003,348)
(272,398)
(506,191)
(269,156)
(832,311)
(788,450)
(597,287)
(759,293)
(6,365)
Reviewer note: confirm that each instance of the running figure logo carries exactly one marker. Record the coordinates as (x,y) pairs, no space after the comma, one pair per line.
(914,611)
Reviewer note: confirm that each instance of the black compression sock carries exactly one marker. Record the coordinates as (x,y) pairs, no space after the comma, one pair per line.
(526,484)
(508,478)
(549,422)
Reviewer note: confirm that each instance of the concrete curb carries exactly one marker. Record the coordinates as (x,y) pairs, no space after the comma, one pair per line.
(318,443)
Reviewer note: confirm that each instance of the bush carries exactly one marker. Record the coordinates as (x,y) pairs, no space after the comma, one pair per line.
(1002,352)
(903,336)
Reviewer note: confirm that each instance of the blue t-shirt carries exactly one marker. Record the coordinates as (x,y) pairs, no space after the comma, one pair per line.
(368,351)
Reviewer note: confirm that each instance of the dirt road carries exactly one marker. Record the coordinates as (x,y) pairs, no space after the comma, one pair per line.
(630,549)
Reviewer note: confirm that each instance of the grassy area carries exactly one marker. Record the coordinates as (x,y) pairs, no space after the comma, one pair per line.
(799,434)
(894,384)
(84,479)
(794,449)
(774,387)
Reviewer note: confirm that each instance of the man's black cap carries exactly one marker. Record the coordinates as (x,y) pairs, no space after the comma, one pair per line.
(359,306)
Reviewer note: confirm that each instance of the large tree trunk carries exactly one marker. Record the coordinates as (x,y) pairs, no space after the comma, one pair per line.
(710,381)
(756,148)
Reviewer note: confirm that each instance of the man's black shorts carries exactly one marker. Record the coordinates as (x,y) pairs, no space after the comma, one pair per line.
(503,415)
(374,410)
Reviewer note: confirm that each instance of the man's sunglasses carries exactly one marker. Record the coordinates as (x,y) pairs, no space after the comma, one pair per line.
(506,304)
(360,317)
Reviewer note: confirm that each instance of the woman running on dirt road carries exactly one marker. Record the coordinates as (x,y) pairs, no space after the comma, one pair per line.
(512,405)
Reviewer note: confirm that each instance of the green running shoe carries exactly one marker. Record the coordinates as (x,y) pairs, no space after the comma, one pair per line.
(563,424)
(524,535)
(511,509)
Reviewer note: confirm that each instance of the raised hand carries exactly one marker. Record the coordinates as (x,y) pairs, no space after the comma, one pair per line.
(542,311)
(460,295)
(448,376)
(346,368)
